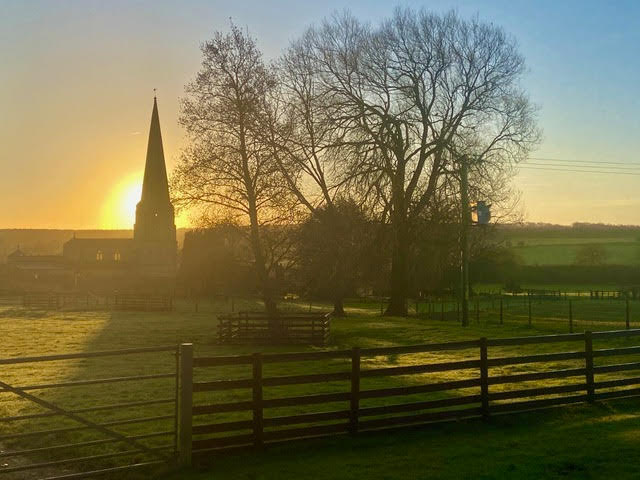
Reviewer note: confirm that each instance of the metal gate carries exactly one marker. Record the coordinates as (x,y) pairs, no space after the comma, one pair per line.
(88,413)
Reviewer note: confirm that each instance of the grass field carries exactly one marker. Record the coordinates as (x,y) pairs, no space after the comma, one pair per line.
(559,245)
(616,252)
(437,449)
(583,442)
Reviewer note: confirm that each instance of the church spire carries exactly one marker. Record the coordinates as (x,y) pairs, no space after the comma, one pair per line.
(155,220)
(155,187)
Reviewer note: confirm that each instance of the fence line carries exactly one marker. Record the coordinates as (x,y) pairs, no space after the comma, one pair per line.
(473,389)
(473,397)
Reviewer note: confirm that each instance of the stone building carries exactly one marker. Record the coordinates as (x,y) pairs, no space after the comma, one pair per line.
(145,262)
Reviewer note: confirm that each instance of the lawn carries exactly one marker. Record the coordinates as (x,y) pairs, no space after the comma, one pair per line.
(29,332)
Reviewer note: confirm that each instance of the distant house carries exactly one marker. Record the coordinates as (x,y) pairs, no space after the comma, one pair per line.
(145,262)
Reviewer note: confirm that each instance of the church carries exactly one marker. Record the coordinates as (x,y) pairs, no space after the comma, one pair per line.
(146,262)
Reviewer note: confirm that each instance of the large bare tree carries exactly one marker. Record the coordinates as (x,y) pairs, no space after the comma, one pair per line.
(406,100)
(227,169)
(302,138)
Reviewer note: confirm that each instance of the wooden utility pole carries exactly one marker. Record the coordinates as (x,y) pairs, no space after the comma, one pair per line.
(464,240)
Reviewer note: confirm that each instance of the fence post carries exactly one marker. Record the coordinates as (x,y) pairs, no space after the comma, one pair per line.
(484,376)
(354,405)
(626,313)
(442,310)
(529,297)
(258,424)
(570,317)
(588,351)
(501,315)
(185,420)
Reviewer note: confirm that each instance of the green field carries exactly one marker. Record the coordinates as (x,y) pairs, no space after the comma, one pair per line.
(584,442)
(617,253)
(558,245)
(579,442)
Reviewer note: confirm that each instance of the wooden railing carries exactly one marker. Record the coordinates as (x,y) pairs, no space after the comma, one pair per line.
(65,301)
(258,399)
(480,394)
(144,302)
(287,328)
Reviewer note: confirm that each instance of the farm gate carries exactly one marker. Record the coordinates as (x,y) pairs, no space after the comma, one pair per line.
(93,418)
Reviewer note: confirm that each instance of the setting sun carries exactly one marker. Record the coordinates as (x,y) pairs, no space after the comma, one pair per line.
(119,209)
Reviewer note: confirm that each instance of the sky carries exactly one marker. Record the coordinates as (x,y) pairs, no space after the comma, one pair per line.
(77,80)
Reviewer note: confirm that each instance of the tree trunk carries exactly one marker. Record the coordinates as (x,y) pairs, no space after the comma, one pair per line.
(400,254)
(268,296)
(338,308)
(399,285)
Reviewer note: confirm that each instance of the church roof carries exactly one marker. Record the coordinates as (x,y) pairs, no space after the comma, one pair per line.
(99,241)
(155,188)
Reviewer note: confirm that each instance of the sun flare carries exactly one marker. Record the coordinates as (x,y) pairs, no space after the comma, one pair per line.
(119,210)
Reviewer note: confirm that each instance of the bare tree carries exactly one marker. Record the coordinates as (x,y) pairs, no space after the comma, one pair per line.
(228,170)
(406,99)
(304,146)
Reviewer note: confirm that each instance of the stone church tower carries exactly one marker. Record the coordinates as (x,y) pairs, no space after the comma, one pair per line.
(144,263)
(154,232)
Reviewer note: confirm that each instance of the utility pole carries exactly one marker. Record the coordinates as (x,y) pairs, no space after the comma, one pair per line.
(464,240)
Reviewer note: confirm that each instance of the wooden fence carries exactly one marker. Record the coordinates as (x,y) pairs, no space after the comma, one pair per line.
(142,302)
(354,393)
(76,301)
(254,327)
(481,395)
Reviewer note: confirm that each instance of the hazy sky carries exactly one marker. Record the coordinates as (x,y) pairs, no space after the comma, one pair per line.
(77,79)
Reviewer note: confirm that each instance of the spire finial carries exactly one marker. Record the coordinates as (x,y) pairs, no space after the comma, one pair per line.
(154,93)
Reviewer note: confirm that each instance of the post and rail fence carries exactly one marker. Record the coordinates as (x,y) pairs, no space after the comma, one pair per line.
(484,393)
(287,328)
(90,301)
(250,406)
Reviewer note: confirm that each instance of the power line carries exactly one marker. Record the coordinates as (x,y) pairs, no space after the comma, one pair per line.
(590,167)
(598,162)
(553,169)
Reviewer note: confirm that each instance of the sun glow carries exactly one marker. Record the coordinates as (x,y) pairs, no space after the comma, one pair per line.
(119,209)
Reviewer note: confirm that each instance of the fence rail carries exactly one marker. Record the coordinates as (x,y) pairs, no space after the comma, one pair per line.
(477,396)
(89,301)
